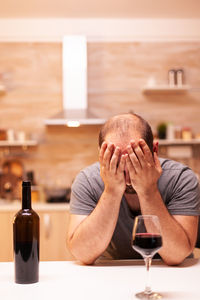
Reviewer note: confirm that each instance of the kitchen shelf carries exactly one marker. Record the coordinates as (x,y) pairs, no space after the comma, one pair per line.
(28,143)
(178,142)
(165,89)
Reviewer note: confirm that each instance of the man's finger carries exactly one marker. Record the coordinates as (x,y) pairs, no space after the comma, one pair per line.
(130,166)
(107,155)
(147,153)
(122,163)
(114,159)
(157,162)
(101,152)
(133,158)
(138,152)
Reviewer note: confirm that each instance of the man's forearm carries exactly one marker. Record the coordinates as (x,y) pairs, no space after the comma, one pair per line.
(93,235)
(176,245)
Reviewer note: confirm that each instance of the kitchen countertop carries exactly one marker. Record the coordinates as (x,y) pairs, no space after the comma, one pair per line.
(118,280)
(38,206)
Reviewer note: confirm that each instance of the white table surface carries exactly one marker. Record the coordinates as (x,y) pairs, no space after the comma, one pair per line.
(106,281)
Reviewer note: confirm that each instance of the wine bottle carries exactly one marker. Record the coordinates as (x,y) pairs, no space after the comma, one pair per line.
(26,240)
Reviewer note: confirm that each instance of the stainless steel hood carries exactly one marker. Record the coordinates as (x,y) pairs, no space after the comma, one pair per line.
(74,118)
(75,109)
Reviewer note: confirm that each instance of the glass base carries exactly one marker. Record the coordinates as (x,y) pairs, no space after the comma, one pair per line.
(152,295)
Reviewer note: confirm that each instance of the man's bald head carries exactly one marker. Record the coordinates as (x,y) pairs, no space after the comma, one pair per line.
(127,125)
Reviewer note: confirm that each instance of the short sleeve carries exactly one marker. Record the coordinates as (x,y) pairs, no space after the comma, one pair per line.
(82,200)
(185,196)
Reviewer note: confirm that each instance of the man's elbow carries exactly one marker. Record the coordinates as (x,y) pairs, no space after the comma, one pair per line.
(175,260)
(87,262)
(78,253)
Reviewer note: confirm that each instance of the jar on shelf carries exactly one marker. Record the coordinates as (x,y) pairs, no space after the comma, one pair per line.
(170,131)
(179,77)
(172,77)
(186,133)
(177,132)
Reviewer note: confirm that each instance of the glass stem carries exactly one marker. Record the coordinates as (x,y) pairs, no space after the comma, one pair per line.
(147,260)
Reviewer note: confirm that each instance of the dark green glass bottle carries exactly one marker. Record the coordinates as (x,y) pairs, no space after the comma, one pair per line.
(26,240)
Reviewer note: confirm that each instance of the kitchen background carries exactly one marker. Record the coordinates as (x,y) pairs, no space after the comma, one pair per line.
(117,74)
(131,46)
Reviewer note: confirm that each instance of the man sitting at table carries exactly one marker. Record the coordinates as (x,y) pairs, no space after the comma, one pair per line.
(129,180)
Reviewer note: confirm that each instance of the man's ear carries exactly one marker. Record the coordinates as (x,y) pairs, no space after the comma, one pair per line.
(155,146)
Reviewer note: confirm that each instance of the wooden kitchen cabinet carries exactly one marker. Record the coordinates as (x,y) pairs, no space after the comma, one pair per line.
(53,231)
(6,236)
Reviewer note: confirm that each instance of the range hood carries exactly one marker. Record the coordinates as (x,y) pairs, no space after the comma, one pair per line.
(75,109)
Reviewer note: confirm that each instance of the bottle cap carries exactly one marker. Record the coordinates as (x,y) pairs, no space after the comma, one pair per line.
(26,183)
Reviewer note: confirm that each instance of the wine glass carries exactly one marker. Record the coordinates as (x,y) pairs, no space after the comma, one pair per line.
(147,240)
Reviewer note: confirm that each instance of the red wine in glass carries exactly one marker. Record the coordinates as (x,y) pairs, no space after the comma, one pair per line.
(147,240)
(147,244)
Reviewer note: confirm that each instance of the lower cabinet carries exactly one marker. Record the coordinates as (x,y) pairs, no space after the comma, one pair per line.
(53,233)
(6,236)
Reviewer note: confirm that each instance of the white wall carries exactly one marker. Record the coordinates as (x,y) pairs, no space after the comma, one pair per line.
(100,29)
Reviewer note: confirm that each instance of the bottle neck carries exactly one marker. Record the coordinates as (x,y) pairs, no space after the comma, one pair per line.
(26,197)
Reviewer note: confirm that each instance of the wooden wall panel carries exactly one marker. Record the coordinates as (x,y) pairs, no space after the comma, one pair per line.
(32,74)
